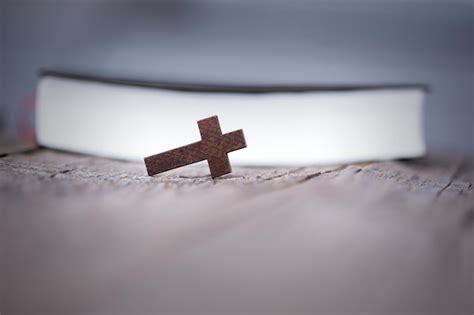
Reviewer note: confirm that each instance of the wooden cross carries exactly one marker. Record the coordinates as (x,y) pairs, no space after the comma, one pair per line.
(213,147)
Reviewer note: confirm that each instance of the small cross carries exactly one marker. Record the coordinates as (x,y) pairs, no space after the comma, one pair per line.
(213,147)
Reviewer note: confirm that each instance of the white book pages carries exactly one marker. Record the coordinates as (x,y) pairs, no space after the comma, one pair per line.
(129,122)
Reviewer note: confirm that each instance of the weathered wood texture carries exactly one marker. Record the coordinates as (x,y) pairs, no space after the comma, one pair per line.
(83,234)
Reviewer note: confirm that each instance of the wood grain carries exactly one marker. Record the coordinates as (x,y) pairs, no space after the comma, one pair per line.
(82,234)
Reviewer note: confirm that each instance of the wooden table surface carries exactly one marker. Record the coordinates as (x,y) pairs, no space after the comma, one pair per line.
(82,234)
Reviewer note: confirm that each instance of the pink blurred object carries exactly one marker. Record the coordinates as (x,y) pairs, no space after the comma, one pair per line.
(25,119)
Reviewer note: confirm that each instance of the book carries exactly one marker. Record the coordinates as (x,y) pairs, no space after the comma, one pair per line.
(286,124)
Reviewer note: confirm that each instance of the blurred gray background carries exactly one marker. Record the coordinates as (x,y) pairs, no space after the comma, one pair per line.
(251,42)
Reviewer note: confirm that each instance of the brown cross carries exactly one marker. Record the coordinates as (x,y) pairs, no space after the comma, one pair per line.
(213,147)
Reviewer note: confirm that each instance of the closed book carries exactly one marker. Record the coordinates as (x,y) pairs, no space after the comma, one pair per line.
(284,124)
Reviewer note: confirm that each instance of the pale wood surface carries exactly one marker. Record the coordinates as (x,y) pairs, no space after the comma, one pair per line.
(82,234)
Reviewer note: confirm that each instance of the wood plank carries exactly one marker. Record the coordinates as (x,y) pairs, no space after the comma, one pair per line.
(87,234)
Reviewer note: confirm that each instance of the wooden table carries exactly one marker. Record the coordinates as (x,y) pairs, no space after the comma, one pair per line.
(82,234)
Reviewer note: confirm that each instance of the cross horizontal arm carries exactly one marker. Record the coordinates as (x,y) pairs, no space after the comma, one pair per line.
(175,158)
(234,140)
